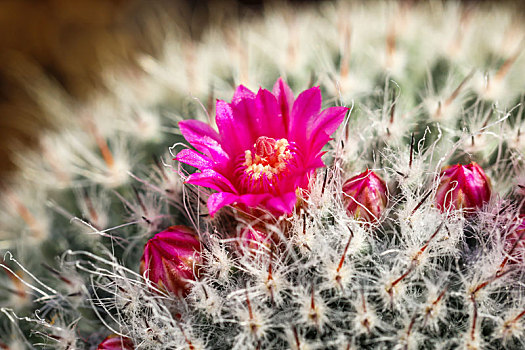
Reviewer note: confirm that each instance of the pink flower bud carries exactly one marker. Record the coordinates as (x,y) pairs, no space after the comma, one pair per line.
(366,196)
(463,186)
(115,342)
(170,259)
(253,238)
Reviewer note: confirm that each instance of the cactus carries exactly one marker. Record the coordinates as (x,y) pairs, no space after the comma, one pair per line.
(418,89)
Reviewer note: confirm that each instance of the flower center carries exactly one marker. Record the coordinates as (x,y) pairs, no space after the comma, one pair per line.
(270,159)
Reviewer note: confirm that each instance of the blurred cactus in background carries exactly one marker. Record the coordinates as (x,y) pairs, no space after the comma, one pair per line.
(112,239)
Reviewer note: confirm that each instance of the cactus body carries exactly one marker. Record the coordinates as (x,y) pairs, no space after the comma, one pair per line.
(425,85)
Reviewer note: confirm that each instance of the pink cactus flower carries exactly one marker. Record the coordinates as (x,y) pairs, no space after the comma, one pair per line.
(170,259)
(115,342)
(366,196)
(463,186)
(267,146)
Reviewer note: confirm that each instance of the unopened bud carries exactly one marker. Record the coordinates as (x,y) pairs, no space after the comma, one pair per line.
(366,196)
(170,259)
(463,187)
(254,239)
(115,342)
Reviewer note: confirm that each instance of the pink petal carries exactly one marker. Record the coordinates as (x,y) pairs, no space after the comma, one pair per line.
(174,249)
(242,93)
(194,159)
(235,129)
(253,199)
(152,259)
(180,237)
(305,108)
(218,200)
(327,121)
(324,125)
(285,99)
(206,140)
(211,179)
(283,204)
(245,112)
(221,199)
(269,117)
(315,163)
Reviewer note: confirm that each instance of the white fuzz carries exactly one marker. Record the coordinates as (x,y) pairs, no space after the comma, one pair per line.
(312,309)
(366,320)
(219,260)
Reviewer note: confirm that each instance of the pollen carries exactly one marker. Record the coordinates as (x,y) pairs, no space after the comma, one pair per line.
(271,158)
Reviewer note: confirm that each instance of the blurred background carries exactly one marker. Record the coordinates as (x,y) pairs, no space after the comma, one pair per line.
(70,40)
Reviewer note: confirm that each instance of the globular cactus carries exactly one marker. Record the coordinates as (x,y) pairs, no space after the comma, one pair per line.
(373,199)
